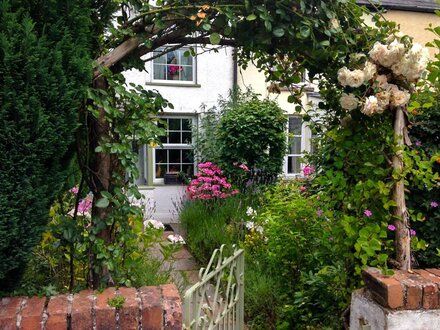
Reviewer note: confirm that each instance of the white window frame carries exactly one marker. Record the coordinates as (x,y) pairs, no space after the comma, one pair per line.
(305,147)
(170,146)
(174,82)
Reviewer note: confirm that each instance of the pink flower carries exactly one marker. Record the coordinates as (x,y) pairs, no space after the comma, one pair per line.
(173,69)
(391,227)
(244,167)
(418,143)
(319,213)
(434,204)
(412,232)
(308,170)
(74,190)
(368,213)
(302,189)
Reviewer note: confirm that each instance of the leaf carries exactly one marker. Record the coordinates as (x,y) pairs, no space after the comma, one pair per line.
(251,17)
(102,202)
(278,32)
(304,31)
(214,38)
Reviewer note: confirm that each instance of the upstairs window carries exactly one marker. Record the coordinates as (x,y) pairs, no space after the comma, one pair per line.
(173,66)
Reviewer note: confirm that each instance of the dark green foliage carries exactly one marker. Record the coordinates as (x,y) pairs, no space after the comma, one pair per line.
(252,131)
(44,70)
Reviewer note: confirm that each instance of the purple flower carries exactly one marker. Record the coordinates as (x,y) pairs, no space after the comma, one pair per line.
(434,204)
(418,143)
(368,213)
(319,212)
(391,227)
(412,232)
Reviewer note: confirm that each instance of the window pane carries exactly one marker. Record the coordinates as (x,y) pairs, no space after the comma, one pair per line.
(295,145)
(186,124)
(174,167)
(175,156)
(295,125)
(174,137)
(187,156)
(186,74)
(186,60)
(174,124)
(172,58)
(161,59)
(161,170)
(161,156)
(186,137)
(188,169)
(293,165)
(160,71)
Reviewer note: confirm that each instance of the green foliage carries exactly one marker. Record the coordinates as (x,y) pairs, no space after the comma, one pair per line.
(244,130)
(116,302)
(425,109)
(296,272)
(45,66)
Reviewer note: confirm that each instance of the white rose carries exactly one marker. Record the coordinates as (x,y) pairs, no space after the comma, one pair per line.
(371,106)
(381,81)
(342,76)
(348,101)
(369,70)
(355,78)
(378,51)
(399,98)
(383,99)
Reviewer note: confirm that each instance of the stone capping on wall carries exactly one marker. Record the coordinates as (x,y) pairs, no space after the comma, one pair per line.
(405,290)
(149,307)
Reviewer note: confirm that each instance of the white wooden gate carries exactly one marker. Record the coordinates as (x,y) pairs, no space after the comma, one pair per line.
(217,300)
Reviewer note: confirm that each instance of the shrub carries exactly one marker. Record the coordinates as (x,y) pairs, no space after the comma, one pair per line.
(244,131)
(44,72)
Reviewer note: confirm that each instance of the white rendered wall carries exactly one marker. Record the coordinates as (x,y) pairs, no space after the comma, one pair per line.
(214,72)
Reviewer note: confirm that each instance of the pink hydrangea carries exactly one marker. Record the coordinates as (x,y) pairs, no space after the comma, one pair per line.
(210,184)
(308,170)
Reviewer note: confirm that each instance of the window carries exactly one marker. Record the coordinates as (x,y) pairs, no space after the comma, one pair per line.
(176,155)
(294,153)
(173,66)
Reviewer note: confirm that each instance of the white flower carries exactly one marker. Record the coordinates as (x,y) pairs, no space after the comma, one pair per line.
(369,70)
(382,81)
(399,98)
(387,55)
(154,224)
(371,106)
(383,99)
(348,101)
(250,225)
(176,239)
(378,51)
(250,212)
(355,78)
(342,76)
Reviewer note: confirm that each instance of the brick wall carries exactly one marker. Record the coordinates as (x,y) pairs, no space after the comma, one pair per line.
(418,289)
(152,308)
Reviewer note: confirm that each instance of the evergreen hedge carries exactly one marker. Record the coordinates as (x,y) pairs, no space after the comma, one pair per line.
(45,68)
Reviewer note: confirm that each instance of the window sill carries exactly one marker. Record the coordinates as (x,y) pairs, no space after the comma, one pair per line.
(173,84)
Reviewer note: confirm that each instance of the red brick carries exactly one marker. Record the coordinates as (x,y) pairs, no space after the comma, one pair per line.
(434,271)
(105,315)
(386,290)
(57,313)
(82,310)
(129,315)
(9,307)
(172,307)
(31,313)
(152,313)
